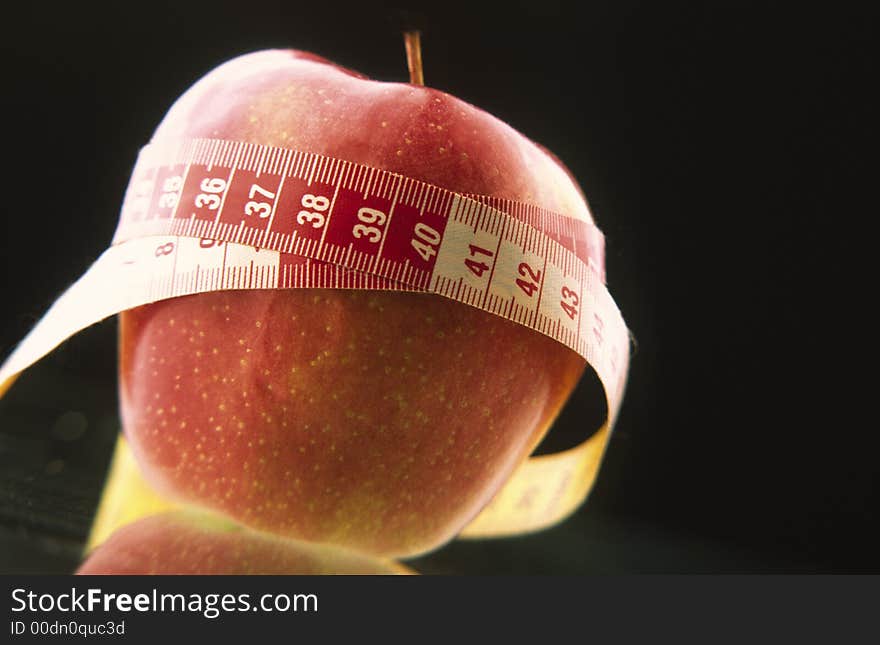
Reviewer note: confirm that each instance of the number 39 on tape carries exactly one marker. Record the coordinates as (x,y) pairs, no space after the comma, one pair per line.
(203,215)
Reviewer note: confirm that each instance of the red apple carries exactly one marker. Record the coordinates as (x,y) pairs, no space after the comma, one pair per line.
(180,543)
(379,421)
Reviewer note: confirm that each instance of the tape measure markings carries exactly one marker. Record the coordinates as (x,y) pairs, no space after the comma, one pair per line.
(541,316)
(588,245)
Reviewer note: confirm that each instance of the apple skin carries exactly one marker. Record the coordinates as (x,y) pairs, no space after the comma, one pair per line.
(186,543)
(379,421)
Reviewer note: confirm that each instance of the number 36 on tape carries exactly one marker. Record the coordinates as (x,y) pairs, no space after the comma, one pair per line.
(204,215)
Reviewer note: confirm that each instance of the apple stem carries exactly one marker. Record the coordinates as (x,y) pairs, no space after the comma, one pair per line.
(413,42)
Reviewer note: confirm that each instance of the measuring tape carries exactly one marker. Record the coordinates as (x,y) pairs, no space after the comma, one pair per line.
(203,215)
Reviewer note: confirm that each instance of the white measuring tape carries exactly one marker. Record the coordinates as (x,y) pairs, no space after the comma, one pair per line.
(203,215)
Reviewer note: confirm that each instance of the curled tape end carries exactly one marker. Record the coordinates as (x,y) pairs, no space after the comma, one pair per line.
(544,491)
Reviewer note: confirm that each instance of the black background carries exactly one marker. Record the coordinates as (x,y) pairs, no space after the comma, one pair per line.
(716,143)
